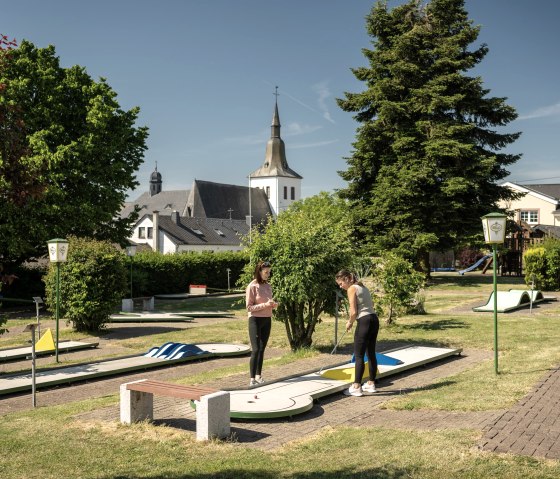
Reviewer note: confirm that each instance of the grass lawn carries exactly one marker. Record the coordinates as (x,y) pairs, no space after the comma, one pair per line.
(50,442)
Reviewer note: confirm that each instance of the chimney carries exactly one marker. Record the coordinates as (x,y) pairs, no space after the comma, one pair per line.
(155,221)
(175,216)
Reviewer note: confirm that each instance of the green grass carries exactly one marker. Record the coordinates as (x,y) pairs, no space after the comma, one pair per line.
(54,442)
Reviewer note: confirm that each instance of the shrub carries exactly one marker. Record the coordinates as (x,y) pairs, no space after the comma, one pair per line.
(399,284)
(542,265)
(92,283)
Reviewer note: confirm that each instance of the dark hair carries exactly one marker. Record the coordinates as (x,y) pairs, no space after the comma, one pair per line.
(347,274)
(257,273)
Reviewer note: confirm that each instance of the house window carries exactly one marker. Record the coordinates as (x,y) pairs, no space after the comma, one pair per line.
(293,192)
(285,192)
(150,232)
(142,232)
(529,216)
(268,192)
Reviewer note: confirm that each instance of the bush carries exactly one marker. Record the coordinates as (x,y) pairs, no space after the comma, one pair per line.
(156,273)
(542,265)
(469,256)
(399,284)
(92,283)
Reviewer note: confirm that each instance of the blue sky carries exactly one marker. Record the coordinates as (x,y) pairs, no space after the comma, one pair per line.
(203,73)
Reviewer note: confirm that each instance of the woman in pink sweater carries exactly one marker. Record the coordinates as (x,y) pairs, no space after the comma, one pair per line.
(260,304)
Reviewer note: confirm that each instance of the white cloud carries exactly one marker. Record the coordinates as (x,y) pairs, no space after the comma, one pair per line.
(323,92)
(296,129)
(542,112)
(298,146)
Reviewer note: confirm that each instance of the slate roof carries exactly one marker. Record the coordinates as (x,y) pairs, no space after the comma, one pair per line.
(552,231)
(203,231)
(215,200)
(165,202)
(551,190)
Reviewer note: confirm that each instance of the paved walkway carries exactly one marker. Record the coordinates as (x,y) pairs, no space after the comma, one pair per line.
(532,426)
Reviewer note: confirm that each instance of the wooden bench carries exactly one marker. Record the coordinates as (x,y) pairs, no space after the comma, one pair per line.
(212,406)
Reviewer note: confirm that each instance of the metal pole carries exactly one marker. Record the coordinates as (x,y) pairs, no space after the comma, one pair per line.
(131,278)
(228,271)
(57,306)
(336,318)
(33,366)
(495,271)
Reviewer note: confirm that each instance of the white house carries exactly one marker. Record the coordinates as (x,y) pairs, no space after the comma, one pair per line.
(540,204)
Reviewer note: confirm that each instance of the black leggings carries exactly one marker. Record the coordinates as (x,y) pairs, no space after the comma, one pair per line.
(259,332)
(365,338)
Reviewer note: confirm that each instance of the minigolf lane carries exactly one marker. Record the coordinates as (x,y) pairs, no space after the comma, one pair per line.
(296,395)
(169,353)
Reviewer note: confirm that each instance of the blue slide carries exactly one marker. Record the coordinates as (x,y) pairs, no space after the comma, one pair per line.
(476,265)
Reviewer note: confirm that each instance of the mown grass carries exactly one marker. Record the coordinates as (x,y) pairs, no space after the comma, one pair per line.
(54,442)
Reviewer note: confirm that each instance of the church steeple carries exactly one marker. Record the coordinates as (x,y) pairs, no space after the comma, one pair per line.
(155,182)
(281,184)
(275,163)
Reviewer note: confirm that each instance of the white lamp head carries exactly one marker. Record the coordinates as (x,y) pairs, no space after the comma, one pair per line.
(58,250)
(494,226)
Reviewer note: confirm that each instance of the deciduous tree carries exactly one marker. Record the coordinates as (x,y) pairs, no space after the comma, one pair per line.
(306,245)
(68,153)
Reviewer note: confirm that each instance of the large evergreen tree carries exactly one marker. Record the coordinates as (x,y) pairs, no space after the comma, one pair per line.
(427,153)
(68,153)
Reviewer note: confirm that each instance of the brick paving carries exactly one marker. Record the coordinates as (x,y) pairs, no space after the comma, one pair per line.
(532,426)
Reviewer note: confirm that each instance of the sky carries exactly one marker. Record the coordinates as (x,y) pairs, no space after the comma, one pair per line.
(204,72)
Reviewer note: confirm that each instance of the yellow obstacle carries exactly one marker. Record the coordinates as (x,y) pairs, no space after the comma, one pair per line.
(345,374)
(46,342)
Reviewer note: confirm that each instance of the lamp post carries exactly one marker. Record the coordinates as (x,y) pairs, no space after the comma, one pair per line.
(58,252)
(130,252)
(494,226)
(31,327)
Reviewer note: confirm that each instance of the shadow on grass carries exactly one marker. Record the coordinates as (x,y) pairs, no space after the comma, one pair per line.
(437,325)
(381,472)
(470,279)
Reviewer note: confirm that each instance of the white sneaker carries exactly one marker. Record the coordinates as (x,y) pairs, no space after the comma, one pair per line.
(352,391)
(368,388)
(259,380)
(253,382)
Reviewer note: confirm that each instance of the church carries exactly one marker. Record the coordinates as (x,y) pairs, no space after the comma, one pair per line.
(215,216)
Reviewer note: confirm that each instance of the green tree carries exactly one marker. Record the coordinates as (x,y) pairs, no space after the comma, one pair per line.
(398,283)
(307,245)
(68,153)
(93,281)
(427,157)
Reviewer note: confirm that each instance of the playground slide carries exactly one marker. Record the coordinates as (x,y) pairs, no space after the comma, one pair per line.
(476,265)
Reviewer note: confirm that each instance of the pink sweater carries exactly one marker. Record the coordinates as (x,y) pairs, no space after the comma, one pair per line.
(255,298)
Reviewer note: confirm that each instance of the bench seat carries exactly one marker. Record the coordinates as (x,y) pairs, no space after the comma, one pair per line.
(212,406)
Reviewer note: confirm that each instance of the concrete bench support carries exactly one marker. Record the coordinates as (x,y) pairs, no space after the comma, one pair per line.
(212,407)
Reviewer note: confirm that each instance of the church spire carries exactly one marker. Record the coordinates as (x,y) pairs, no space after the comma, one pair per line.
(275,163)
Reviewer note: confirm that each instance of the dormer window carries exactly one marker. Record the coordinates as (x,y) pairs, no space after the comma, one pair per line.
(219,232)
(197,231)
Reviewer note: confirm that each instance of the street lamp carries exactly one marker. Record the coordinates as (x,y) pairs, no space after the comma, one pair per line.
(494,226)
(58,251)
(131,251)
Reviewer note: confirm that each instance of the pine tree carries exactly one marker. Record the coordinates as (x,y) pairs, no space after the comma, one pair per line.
(426,160)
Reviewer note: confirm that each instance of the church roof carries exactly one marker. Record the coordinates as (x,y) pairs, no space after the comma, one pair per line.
(219,200)
(275,163)
(165,202)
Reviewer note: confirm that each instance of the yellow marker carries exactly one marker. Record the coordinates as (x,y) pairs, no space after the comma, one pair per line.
(344,374)
(46,342)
